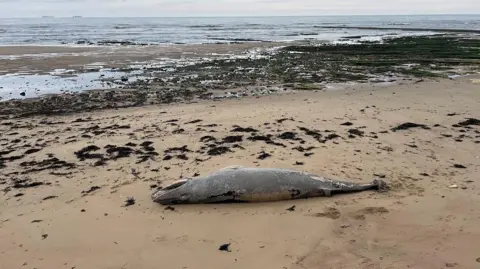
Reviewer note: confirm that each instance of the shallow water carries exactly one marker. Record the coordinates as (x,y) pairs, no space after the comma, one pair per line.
(18,86)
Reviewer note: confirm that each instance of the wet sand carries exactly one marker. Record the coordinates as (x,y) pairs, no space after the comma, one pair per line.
(64,207)
(44,59)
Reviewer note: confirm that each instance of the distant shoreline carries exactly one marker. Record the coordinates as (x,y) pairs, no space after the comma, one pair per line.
(402,29)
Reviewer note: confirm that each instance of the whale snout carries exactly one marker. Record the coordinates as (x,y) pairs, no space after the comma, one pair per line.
(169,197)
(171,194)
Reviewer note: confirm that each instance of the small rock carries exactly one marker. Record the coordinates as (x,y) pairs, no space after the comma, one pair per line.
(263,156)
(225,247)
(83,210)
(345,226)
(356,132)
(44,236)
(454,186)
(459,166)
(170,208)
(451,265)
(130,201)
(291,209)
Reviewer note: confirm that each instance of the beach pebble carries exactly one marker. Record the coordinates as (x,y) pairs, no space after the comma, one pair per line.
(225,247)
(291,209)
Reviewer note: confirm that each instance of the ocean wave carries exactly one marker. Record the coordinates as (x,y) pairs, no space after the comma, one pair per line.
(112,42)
(39,27)
(236,39)
(124,26)
(399,23)
(205,26)
(302,34)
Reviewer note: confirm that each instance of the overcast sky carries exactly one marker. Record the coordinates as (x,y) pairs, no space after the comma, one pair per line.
(161,8)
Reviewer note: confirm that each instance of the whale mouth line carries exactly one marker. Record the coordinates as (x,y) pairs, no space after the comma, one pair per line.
(175,185)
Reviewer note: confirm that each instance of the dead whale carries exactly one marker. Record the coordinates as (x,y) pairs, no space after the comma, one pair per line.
(242,184)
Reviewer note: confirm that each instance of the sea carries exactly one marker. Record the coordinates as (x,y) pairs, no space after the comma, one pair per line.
(81,30)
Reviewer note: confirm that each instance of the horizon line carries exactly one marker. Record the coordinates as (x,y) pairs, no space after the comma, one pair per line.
(245,16)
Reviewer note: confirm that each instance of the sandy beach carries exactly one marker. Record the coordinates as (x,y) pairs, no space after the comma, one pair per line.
(64,207)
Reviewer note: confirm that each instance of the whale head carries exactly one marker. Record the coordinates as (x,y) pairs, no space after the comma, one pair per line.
(176,193)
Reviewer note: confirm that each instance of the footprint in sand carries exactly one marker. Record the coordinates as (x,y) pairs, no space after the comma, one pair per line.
(331,213)
(369,211)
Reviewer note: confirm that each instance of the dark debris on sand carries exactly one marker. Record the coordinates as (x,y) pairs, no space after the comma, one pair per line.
(313,133)
(47,164)
(410,125)
(284,119)
(356,132)
(216,151)
(263,155)
(225,247)
(233,139)
(288,136)
(207,138)
(85,153)
(92,189)
(239,129)
(129,202)
(25,183)
(468,122)
(459,166)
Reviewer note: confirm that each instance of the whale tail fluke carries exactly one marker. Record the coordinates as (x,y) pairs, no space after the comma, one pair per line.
(380,185)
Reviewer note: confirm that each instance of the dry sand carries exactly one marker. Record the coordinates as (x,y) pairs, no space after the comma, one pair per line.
(419,223)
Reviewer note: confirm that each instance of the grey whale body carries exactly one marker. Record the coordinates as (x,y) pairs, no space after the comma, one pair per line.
(242,184)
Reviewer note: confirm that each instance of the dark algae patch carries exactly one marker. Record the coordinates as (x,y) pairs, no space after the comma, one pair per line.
(468,122)
(409,125)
